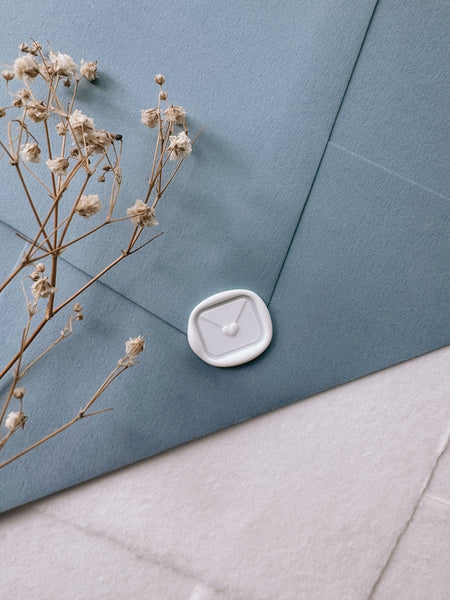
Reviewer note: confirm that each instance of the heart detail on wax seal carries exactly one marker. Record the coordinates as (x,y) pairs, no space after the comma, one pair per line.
(230,329)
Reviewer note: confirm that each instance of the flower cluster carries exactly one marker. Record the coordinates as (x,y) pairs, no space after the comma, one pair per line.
(58,166)
(134,346)
(31,152)
(180,146)
(62,65)
(175,115)
(150,117)
(42,288)
(26,67)
(88,70)
(65,181)
(14,420)
(37,111)
(142,215)
(87,206)
(82,129)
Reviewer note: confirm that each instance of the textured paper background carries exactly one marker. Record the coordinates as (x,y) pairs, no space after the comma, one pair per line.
(361,285)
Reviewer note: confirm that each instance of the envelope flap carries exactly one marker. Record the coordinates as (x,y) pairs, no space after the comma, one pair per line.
(265,82)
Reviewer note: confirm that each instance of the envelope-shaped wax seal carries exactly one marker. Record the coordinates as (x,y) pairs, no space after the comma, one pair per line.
(230,328)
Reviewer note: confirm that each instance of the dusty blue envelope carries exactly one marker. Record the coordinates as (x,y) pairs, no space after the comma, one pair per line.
(320,182)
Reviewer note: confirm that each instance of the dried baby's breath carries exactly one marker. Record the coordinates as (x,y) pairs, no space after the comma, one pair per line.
(8,75)
(37,111)
(87,206)
(81,127)
(35,48)
(31,153)
(14,420)
(150,117)
(58,166)
(26,67)
(134,346)
(42,288)
(61,128)
(175,115)
(24,94)
(46,124)
(180,146)
(99,139)
(88,70)
(142,215)
(63,65)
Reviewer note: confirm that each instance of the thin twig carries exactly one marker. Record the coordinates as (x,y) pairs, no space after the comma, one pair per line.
(118,370)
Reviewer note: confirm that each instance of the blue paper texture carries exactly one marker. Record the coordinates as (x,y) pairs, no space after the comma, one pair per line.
(320,182)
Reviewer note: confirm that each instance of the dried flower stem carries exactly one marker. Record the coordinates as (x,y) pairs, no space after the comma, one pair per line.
(30,200)
(65,333)
(124,254)
(116,372)
(16,375)
(91,147)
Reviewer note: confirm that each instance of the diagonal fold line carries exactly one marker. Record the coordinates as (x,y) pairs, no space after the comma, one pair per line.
(108,287)
(390,171)
(324,151)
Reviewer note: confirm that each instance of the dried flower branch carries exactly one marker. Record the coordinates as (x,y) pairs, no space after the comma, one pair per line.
(73,150)
(16,420)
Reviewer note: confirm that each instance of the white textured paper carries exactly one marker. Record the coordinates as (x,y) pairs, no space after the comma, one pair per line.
(340,496)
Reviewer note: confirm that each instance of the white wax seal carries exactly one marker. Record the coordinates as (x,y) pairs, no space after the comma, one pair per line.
(230,328)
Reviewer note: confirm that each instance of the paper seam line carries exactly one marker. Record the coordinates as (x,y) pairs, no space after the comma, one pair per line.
(390,171)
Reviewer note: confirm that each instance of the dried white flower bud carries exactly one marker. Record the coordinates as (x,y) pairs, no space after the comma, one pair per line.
(63,64)
(2,112)
(8,75)
(99,140)
(142,215)
(81,127)
(77,307)
(35,48)
(31,153)
(88,205)
(25,67)
(160,79)
(175,115)
(58,166)
(88,70)
(37,111)
(19,393)
(163,95)
(24,47)
(42,288)
(24,94)
(61,128)
(180,146)
(134,346)
(150,117)
(40,267)
(14,420)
